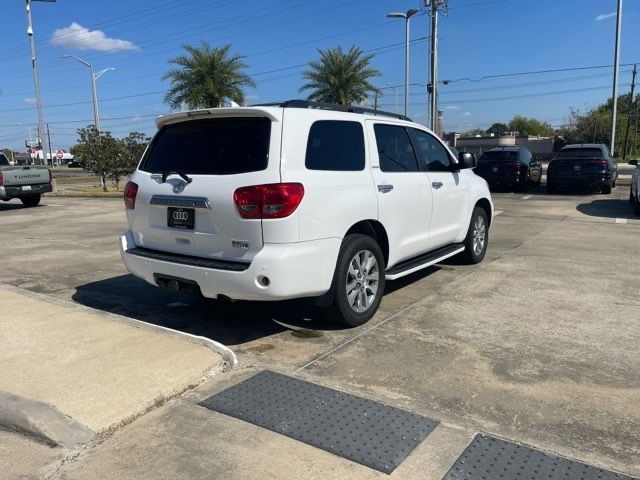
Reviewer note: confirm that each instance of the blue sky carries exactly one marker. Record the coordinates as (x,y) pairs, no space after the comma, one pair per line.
(478,38)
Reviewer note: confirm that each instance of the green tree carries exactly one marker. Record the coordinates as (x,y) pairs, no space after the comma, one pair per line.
(206,77)
(594,125)
(101,152)
(134,146)
(529,126)
(498,128)
(340,77)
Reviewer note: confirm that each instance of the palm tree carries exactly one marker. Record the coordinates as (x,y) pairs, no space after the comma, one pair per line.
(206,77)
(340,77)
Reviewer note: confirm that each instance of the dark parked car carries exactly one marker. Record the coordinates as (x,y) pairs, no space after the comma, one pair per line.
(509,167)
(74,164)
(585,165)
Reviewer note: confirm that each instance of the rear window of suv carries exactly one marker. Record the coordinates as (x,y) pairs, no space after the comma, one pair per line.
(335,145)
(506,155)
(580,153)
(3,161)
(219,146)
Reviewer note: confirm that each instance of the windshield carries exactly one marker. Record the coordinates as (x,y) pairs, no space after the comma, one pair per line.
(579,153)
(220,146)
(499,155)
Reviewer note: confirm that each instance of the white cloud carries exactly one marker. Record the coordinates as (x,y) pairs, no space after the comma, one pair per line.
(452,107)
(29,101)
(81,38)
(604,16)
(466,114)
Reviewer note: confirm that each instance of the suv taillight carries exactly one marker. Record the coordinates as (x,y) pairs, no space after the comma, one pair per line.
(1,179)
(604,162)
(130,192)
(273,200)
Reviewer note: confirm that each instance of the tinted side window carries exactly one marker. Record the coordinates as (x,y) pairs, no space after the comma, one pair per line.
(434,154)
(3,160)
(335,145)
(395,150)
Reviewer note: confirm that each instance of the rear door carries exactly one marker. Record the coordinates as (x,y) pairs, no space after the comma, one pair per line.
(449,189)
(187,180)
(403,191)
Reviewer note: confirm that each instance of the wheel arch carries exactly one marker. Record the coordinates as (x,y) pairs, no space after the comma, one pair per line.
(485,204)
(375,230)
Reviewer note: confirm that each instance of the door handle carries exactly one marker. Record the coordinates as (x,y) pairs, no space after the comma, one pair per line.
(436,185)
(385,188)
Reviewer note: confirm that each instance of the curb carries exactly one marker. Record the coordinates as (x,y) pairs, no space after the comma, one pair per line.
(42,421)
(225,352)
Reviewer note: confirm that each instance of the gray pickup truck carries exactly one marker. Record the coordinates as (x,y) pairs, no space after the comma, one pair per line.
(26,182)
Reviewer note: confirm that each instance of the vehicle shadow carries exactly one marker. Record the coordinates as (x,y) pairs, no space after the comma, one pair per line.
(232,323)
(6,206)
(607,208)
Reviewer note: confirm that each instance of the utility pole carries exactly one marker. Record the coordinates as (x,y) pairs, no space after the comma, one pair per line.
(435,6)
(36,81)
(616,65)
(49,138)
(626,135)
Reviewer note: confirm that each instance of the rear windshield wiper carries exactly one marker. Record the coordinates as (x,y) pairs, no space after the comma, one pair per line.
(184,176)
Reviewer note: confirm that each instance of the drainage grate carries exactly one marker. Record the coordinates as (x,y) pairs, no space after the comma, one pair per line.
(367,432)
(489,458)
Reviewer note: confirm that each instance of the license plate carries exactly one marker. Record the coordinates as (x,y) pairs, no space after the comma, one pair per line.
(183,218)
(26,188)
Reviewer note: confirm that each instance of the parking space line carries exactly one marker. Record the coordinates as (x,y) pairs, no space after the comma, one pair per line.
(526,197)
(462,277)
(621,220)
(497,212)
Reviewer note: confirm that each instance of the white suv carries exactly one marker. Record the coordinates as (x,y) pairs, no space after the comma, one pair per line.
(299,199)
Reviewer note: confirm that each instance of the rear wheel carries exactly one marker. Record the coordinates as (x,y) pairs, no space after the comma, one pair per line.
(635,202)
(606,188)
(477,239)
(358,282)
(31,200)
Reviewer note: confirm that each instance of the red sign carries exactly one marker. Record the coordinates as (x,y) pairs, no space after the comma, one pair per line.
(59,154)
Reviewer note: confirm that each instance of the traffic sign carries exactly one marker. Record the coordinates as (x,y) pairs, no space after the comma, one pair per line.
(59,154)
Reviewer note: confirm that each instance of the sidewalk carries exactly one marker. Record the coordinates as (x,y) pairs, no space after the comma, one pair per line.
(97,370)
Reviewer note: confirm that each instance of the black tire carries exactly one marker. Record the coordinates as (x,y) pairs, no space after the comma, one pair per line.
(551,187)
(631,199)
(341,310)
(606,188)
(635,203)
(472,254)
(31,200)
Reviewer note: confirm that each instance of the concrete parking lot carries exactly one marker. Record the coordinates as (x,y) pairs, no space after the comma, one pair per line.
(537,345)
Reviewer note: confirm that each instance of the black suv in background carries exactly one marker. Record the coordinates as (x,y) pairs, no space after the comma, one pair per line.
(509,167)
(585,165)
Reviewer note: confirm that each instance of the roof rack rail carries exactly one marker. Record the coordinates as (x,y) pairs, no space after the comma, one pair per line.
(333,106)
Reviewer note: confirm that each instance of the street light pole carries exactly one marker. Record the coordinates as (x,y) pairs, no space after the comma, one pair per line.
(616,65)
(36,81)
(406,15)
(94,93)
(395,93)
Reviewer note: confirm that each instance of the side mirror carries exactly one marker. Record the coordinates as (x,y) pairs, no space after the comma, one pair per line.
(633,162)
(467,160)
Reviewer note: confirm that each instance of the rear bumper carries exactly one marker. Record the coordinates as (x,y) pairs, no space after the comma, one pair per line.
(582,181)
(295,270)
(8,192)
